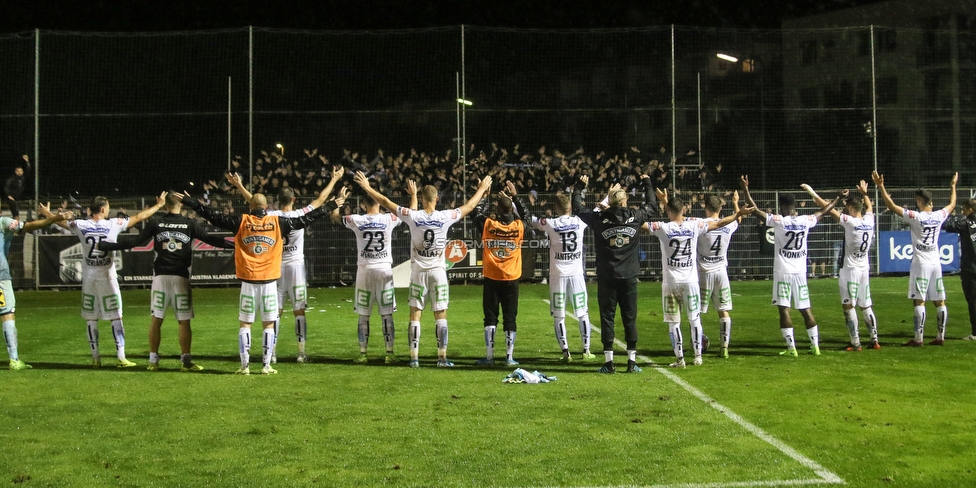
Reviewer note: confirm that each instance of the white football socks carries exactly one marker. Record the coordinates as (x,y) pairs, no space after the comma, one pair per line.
(919,322)
(725,330)
(490,341)
(413,338)
(788,337)
(10,337)
(363,329)
(389,333)
(93,338)
(118,330)
(244,346)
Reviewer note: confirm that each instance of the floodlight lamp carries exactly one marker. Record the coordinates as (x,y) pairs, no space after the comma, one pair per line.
(465,102)
(727,57)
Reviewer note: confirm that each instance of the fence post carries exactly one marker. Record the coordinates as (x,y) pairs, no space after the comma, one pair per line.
(37,136)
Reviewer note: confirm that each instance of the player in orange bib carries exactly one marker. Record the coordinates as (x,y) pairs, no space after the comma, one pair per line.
(501,235)
(257,256)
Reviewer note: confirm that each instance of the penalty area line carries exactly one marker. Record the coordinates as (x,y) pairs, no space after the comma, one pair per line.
(826,476)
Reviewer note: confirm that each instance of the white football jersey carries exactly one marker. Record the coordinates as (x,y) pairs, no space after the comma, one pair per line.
(98,263)
(713,247)
(925,234)
(679,249)
(791,233)
(858,235)
(428,235)
(565,236)
(374,234)
(293,250)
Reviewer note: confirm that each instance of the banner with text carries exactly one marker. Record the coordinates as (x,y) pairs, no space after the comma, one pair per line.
(60,263)
(896,250)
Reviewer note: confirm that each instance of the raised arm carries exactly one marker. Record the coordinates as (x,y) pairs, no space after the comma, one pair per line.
(381,199)
(235,179)
(149,212)
(49,218)
(128,241)
(337,173)
(820,201)
(226,222)
(662,199)
(744,184)
(862,188)
(728,219)
(879,182)
(512,193)
(334,214)
(951,207)
(472,202)
(830,206)
(412,191)
(199,232)
(289,224)
(735,203)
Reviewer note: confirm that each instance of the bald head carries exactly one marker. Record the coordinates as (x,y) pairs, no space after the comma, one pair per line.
(258,201)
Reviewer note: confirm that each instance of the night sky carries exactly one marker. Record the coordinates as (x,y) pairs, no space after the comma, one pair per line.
(103,15)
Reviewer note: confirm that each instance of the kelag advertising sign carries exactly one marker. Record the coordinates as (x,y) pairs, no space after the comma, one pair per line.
(60,259)
(895,252)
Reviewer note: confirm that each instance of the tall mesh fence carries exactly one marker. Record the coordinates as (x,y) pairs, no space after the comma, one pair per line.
(128,115)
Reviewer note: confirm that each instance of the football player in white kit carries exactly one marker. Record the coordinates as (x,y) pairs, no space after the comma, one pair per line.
(374,278)
(854,282)
(101,297)
(428,274)
(679,263)
(293,283)
(790,264)
(925,276)
(567,279)
(713,263)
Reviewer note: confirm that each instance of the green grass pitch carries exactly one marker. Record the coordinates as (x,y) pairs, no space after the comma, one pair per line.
(890,417)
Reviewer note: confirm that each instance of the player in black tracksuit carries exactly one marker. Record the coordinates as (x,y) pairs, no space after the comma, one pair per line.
(172,236)
(965,226)
(616,235)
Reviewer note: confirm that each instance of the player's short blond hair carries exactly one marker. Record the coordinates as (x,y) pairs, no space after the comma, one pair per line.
(563,203)
(617,197)
(428,193)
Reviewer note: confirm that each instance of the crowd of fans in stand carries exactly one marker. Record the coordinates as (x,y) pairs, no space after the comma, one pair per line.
(538,174)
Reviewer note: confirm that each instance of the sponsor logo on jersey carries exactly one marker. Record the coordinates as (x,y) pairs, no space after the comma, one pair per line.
(265,227)
(500,243)
(169,225)
(565,228)
(170,236)
(371,226)
(429,223)
(618,236)
(257,241)
(504,233)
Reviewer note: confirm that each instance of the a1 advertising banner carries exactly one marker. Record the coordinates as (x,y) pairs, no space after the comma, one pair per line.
(896,250)
(60,262)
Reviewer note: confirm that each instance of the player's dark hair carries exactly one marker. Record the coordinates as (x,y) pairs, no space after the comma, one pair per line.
(713,203)
(97,204)
(787,200)
(676,204)
(171,200)
(855,202)
(969,203)
(285,196)
(925,195)
(504,204)
(367,199)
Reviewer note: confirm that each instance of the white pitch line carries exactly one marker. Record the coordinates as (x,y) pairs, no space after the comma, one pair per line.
(826,476)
